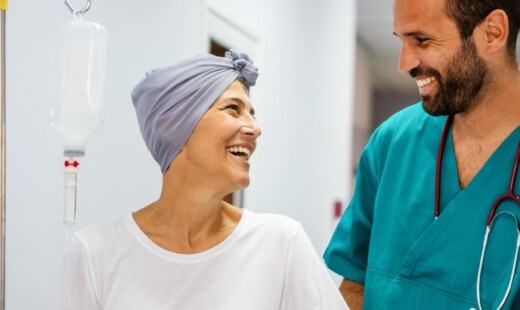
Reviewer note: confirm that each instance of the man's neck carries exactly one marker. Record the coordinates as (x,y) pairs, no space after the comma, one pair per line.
(495,114)
(477,133)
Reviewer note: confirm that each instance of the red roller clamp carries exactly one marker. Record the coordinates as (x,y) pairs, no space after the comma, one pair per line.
(75,163)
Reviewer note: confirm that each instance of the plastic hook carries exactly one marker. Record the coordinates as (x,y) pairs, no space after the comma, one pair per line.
(80,12)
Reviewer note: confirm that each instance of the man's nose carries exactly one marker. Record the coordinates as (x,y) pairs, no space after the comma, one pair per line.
(407,59)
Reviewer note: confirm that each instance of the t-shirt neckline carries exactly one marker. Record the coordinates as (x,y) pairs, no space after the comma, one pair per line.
(185,258)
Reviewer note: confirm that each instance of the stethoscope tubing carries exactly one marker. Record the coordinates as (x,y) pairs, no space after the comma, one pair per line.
(483,254)
(510,195)
(440,152)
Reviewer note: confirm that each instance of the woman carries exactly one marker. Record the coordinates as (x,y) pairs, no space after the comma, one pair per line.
(189,249)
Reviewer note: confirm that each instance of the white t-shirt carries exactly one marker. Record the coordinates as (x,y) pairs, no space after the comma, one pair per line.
(267,262)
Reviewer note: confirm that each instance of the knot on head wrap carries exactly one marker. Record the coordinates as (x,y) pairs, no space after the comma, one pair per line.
(170,101)
(244,64)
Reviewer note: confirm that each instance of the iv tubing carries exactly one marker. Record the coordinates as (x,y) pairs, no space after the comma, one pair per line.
(3,8)
(70,178)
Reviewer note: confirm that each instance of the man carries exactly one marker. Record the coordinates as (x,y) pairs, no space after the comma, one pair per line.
(392,249)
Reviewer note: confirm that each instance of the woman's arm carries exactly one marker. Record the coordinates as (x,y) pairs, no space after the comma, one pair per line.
(308,284)
(76,290)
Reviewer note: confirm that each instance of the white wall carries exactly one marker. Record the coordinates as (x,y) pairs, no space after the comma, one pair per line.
(117,174)
(303,100)
(304,104)
(363,105)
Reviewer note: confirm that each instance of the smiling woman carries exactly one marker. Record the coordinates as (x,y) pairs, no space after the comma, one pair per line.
(189,249)
(222,143)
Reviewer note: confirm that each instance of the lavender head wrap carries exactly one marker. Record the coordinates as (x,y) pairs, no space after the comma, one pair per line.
(170,101)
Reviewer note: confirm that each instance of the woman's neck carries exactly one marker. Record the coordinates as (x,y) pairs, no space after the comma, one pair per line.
(187,220)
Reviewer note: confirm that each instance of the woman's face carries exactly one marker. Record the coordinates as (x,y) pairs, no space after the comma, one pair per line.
(221,144)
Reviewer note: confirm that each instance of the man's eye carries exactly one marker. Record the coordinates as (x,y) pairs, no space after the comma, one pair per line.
(421,40)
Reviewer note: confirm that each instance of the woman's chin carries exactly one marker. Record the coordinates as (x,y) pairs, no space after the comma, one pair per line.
(242,183)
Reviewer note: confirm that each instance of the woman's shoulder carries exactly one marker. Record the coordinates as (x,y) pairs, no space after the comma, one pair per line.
(271,223)
(103,234)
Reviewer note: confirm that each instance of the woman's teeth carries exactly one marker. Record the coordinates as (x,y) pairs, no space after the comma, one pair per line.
(240,151)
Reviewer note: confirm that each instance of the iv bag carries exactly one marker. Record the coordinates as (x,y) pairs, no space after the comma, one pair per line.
(79,62)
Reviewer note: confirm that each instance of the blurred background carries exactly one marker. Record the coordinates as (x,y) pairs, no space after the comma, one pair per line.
(328,77)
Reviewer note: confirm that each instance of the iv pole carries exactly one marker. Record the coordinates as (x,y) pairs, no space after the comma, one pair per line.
(3,8)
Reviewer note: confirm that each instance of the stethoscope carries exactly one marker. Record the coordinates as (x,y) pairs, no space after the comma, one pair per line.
(510,195)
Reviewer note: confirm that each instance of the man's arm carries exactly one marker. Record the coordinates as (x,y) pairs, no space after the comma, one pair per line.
(353,294)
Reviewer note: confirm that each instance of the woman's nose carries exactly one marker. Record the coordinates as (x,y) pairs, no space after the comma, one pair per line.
(250,127)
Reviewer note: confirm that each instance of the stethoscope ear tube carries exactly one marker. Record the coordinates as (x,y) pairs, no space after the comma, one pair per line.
(438,168)
(483,254)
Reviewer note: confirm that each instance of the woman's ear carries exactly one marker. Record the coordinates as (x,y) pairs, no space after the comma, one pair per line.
(495,31)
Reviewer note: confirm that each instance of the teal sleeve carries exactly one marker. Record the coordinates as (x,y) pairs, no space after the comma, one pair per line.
(347,252)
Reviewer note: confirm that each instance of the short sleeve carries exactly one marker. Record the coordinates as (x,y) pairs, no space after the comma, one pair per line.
(347,252)
(308,284)
(76,289)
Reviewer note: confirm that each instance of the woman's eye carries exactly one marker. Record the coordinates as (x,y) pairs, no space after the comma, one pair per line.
(233,107)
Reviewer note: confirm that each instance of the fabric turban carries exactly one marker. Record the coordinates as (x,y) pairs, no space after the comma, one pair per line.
(170,101)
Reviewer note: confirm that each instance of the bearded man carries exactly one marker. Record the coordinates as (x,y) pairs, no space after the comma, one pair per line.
(437,180)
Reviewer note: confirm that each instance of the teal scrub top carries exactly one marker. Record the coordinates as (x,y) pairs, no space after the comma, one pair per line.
(388,239)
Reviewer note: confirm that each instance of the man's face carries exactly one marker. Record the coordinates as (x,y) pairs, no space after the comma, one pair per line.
(459,81)
(448,71)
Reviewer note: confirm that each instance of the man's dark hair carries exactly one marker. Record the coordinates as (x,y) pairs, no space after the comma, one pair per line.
(468,14)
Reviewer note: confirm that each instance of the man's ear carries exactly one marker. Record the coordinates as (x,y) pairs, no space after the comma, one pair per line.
(495,31)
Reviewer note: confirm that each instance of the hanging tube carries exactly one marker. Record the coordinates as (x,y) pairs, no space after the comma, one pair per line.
(71,177)
(71,150)
(3,8)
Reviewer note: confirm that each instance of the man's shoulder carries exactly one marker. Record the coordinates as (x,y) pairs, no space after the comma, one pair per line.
(407,123)
(407,118)
(411,129)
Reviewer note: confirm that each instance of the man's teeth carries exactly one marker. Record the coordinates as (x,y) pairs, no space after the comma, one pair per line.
(241,151)
(424,82)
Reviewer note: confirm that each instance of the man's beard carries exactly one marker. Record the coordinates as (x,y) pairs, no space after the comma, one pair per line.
(465,75)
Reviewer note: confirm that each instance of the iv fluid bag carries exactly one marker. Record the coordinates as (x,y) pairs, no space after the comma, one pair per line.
(78,69)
